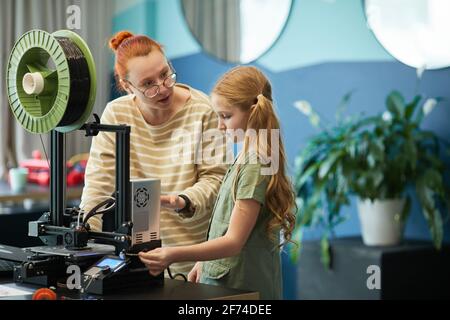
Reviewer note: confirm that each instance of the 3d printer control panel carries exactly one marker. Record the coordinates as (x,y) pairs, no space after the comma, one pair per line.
(108,264)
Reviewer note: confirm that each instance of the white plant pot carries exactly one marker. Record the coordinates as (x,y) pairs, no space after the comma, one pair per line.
(380,223)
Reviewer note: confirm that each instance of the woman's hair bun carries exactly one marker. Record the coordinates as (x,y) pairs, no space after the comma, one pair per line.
(118,38)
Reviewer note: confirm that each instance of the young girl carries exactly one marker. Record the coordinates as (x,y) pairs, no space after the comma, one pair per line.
(243,247)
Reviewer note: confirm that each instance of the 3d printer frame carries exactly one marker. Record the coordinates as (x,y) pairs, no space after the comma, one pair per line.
(56,228)
(51,229)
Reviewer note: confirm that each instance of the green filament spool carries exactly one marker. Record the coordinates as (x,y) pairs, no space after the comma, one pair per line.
(51,81)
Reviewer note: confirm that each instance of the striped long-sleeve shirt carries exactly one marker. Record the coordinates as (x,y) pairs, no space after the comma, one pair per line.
(164,152)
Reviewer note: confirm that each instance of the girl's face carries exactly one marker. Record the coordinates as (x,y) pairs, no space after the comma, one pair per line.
(230,117)
(146,71)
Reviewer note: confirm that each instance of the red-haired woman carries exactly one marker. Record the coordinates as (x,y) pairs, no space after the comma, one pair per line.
(156,108)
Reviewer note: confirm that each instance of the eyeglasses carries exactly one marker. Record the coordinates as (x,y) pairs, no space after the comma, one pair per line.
(153,90)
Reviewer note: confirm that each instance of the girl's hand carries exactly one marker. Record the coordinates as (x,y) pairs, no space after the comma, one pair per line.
(172,202)
(196,272)
(156,260)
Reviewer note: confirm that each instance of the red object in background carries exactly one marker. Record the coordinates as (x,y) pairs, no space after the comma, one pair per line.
(39,171)
(44,294)
(75,175)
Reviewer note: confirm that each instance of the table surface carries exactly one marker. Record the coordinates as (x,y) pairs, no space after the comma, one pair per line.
(34,192)
(172,289)
(413,269)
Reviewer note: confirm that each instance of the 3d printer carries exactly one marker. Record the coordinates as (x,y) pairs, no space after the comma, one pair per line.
(51,88)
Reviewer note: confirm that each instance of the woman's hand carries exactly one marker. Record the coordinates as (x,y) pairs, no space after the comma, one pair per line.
(196,272)
(156,260)
(172,202)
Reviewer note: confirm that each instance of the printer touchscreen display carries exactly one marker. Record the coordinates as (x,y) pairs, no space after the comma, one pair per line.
(113,264)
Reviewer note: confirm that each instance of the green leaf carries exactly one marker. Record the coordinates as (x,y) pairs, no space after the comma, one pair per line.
(307,212)
(378,177)
(432,161)
(314,119)
(325,252)
(328,163)
(433,180)
(377,149)
(431,213)
(306,215)
(410,108)
(343,105)
(435,224)
(337,220)
(371,161)
(411,153)
(306,175)
(298,163)
(396,104)
(352,148)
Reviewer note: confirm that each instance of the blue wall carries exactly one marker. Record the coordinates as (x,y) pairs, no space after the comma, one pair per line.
(139,18)
(325,51)
(324,31)
(161,20)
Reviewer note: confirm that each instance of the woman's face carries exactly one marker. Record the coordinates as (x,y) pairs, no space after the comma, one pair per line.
(230,117)
(146,71)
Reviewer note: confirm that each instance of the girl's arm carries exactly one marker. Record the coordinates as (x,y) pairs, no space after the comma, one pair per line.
(242,222)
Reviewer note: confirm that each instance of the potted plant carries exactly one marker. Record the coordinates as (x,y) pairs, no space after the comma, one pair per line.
(379,159)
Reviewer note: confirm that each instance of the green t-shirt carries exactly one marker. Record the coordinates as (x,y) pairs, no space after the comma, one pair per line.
(258,266)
